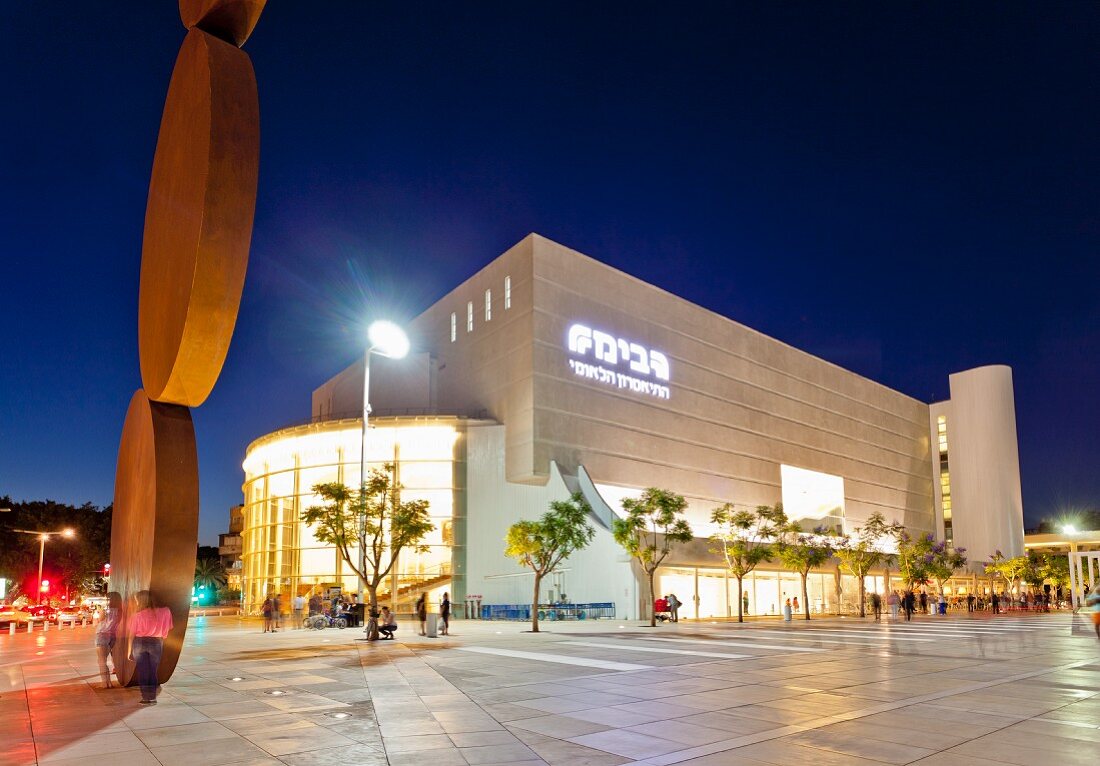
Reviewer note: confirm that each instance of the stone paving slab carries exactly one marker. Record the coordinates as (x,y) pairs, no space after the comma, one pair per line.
(950,691)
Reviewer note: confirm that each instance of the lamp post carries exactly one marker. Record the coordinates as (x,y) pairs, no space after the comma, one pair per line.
(42,538)
(388,340)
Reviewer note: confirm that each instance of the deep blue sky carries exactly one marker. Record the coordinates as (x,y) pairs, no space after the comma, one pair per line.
(907,191)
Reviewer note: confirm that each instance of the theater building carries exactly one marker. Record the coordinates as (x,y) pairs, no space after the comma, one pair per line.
(547,373)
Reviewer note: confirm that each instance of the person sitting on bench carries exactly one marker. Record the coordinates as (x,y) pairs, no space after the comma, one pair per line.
(387,624)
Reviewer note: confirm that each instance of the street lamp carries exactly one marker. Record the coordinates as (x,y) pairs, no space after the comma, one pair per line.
(388,340)
(42,538)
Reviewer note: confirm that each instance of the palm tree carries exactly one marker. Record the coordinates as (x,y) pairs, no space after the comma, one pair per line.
(209,573)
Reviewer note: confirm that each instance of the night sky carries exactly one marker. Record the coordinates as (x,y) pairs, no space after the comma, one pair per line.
(906,191)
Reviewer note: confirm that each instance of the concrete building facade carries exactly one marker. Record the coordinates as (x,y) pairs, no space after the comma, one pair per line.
(575,376)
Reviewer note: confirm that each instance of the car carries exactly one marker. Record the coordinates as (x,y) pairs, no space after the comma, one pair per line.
(70,614)
(42,613)
(12,614)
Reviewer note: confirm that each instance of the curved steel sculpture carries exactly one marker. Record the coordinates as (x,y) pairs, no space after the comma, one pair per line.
(198,227)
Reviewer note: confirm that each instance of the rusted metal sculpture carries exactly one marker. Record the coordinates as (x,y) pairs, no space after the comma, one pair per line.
(198,226)
(155,521)
(198,222)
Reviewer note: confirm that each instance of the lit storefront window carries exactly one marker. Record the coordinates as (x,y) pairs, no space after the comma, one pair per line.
(280,553)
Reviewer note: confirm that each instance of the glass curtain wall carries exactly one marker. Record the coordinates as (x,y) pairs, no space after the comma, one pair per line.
(281,556)
(712,592)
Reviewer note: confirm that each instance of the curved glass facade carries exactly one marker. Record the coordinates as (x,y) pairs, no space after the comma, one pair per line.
(280,554)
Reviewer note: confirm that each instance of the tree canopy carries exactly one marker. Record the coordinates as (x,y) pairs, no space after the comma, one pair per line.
(745,539)
(70,564)
(373,521)
(653,524)
(541,545)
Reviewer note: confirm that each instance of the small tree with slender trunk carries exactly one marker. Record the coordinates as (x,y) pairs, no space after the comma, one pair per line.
(801,552)
(945,562)
(652,526)
(861,553)
(374,519)
(542,545)
(745,539)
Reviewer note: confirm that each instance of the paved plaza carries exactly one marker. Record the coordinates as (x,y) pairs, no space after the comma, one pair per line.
(946,691)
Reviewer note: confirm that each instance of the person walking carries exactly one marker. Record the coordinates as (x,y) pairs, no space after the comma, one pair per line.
(277,612)
(673,607)
(445,613)
(895,604)
(970,602)
(422,613)
(149,626)
(106,633)
(266,610)
(923,602)
(1092,607)
(942,602)
(996,603)
(909,603)
(745,603)
(298,604)
(876,606)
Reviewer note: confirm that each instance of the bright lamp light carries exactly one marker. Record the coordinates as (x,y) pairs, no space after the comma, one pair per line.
(388,339)
(1069,529)
(68,533)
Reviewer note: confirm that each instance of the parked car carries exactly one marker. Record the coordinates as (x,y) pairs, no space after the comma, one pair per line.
(10,614)
(42,613)
(70,614)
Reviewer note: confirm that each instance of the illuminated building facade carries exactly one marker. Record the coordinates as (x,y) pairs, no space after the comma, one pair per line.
(561,374)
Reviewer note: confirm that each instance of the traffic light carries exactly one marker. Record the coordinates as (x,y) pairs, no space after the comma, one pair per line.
(106,570)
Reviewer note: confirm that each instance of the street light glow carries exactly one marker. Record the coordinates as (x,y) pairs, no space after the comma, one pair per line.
(1069,529)
(67,532)
(387,339)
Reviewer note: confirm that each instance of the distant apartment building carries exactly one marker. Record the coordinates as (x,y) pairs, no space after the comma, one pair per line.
(230,547)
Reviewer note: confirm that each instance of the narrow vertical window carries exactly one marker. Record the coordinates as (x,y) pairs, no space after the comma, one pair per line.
(488,305)
(507,293)
(470,316)
(454,326)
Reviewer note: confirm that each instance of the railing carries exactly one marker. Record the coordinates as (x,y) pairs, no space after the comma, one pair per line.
(551,612)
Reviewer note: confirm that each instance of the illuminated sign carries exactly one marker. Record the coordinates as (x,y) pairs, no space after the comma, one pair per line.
(618,362)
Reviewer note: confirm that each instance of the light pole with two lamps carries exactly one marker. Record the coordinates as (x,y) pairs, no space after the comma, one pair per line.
(42,538)
(388,340)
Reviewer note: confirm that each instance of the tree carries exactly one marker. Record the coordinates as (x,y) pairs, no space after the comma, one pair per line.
(1055,569)
(1014,570)
(209,573)
(862,553)
(542,545)
(653,524)
(374,520)
(914,557)
(945,562)
(744,538)
(801,552)
(69,563)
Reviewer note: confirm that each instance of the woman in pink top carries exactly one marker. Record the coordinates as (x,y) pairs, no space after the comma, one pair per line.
(148,627)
